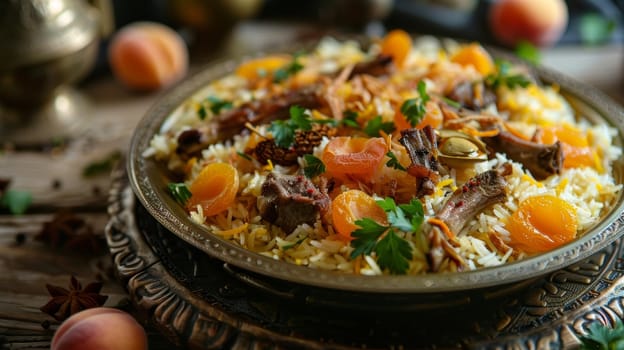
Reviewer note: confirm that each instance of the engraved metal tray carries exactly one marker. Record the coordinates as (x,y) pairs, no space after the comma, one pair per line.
(200,302)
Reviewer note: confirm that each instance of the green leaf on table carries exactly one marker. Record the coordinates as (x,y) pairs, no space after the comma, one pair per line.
(601,337)
(16,201)
(528,52)
(102,166)
(595,29)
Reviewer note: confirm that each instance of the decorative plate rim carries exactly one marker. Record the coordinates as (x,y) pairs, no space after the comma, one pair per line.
(144,182)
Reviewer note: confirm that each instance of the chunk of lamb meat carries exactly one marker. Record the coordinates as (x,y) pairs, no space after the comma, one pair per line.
(466,202)
(378,66)
(541,160)
(231,122)
(291,200)
(472,95)
(422,148)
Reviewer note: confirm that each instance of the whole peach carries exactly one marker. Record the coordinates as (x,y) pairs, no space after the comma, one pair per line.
(540,22)
(100,329)
(148,56)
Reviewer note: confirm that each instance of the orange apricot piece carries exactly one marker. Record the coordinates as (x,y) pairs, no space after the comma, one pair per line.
(214,188)
(353,205)
(542,223)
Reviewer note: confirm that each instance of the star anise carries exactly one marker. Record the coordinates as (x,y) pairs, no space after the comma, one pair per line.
(65,303)
(67,230)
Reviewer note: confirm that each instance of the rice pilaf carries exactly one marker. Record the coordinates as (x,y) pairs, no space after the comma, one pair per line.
(277,120)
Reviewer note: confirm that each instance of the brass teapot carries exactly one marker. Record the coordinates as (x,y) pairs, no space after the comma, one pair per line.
(45,46)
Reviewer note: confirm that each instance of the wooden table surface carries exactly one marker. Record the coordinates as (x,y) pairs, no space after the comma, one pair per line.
(54,178)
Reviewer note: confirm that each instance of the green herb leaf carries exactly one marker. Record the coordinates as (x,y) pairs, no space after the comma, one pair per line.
(601,337)
(365,237)
(299,119)
(595,29)
(503,77)
(349,119)
(292,245)
(394,253)
(103,166)
(415,213)
(16,201)
(393,162)
(375,125)
(217,104)
(405,217)
(414,108)
(283,133)
(292,68)
(452,103)
(180,192)
(284,130)
(396,216)
(314,166)
(201,112)
(528,52)
(244,156)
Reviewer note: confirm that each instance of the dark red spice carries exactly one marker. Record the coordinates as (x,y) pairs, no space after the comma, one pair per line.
(67,302)
(67,230)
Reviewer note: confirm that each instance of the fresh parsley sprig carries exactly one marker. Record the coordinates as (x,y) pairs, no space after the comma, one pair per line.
(349,119)
(284,130)
(393,162)
(288,70)
(314,166)
(215,104)
(504,77)
(180,192)
(393,252)
(376,125)
(414,108)
(601,337)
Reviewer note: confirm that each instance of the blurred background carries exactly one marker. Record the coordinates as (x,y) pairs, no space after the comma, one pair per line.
(205,24)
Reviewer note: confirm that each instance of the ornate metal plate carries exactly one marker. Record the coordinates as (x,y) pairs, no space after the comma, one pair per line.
(200,302)
(149,180)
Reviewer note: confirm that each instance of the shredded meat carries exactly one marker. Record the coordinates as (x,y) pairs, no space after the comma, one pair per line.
(472,197)
(439,249)
(467,201)
(541,160)
(291,200)
(380,65)
(421,145)
(233,121)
